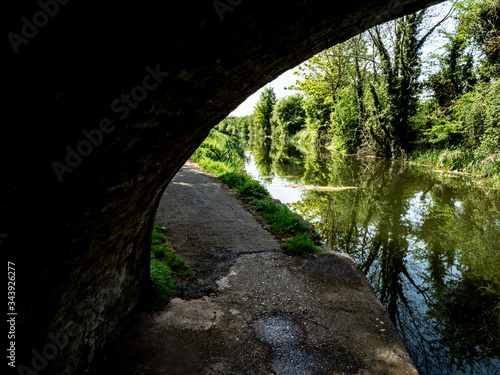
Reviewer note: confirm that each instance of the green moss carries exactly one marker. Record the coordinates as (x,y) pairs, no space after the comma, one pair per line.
(158,251)
(177,265)
(208,289)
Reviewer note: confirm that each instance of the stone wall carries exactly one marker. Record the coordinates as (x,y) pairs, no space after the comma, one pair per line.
(104,104)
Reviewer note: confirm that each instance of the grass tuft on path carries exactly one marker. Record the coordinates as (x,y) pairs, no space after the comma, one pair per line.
(165,265)
(300,245)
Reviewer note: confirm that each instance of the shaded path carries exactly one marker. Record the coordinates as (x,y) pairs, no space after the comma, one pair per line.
(251,309)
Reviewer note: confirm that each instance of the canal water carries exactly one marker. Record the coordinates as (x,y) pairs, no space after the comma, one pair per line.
(428,242)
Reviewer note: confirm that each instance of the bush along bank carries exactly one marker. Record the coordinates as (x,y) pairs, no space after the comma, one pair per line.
(165,265)
(223,156)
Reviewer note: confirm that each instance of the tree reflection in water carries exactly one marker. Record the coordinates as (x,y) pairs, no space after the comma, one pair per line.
(428,242)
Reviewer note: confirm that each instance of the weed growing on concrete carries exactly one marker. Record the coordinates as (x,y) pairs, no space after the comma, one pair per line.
(165,264)
(301,244)
(163,286)
(244,185)
(157,238)
(280,218)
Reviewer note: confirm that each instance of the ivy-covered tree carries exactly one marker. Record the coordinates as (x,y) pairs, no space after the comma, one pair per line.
(401,66)
(479,23)
(455,76)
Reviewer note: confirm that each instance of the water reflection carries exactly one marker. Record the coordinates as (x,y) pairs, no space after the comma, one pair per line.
(428,242)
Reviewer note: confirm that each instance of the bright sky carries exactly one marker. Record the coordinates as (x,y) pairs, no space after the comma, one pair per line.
(288,79)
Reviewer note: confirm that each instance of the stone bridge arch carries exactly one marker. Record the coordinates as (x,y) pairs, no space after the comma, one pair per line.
(104,104)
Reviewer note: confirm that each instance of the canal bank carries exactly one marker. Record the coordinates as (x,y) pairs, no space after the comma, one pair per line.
(251,309)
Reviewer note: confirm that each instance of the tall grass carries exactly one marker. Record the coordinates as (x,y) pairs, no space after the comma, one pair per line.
(471,132)
(220,154)
(223,156)
(456,159)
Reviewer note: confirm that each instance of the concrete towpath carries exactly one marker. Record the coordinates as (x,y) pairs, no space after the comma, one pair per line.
(251,309)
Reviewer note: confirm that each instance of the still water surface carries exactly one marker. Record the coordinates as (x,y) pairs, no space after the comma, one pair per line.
(428,242)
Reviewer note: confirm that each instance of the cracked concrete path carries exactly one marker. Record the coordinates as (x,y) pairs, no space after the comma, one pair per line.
(251,309)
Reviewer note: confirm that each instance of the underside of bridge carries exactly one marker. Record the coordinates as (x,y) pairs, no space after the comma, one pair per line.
(104,104)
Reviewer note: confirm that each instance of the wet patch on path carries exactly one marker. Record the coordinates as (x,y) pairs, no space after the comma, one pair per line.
(291,355)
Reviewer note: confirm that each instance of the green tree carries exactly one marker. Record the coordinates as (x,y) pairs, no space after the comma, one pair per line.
(317,118)
(229,126)
(324,73)
(288,116)
(325,78)
(263,112)
(244,124)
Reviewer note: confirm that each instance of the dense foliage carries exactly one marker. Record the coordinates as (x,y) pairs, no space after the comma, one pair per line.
(377,93)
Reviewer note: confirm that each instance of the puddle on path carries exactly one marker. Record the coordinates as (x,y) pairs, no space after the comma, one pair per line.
(290,355)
